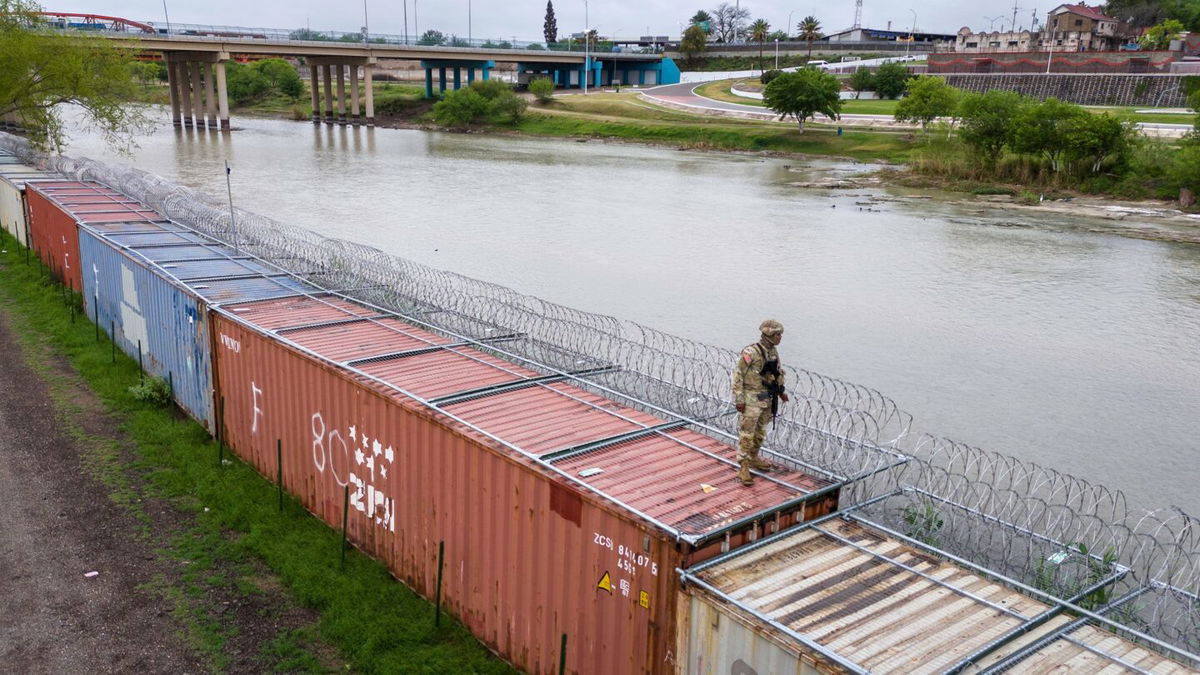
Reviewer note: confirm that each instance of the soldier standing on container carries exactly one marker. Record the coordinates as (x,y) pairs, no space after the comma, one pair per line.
(757,390)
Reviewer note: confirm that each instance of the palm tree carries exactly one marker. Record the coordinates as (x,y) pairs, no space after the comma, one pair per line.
(758,32)
(810,29)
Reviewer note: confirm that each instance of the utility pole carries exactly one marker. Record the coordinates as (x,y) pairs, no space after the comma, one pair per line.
(468,22)
(405,21)
(366,25)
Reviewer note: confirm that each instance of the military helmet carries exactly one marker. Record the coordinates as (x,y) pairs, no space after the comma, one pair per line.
(770,328)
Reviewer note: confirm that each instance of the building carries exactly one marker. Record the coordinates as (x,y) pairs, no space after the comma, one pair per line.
(1068,28)
(1079,28)
(969,42)
(880,35)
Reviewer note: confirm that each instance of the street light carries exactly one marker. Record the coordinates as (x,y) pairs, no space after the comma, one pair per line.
(787,27)
(911,30)
(366,25)
(468,22)
(776,53)
(587,61)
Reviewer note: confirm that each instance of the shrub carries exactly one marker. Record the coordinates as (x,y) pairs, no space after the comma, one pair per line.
(282,77)
(986,121)
(483,101)
(928,99)
(862,79)
(152,390)
(542,89)
(769,75)
(460,108)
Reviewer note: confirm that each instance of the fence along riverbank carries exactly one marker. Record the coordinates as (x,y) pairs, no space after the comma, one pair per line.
(1062,524)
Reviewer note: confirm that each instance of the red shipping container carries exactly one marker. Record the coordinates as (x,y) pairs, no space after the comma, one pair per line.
(57,207)
(562,512)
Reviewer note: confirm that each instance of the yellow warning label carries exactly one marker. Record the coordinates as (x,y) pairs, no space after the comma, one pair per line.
(605,583)
(644,599)
(707,488)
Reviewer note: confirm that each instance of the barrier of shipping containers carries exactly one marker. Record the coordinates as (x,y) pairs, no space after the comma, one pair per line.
(840,595)
(150,284)
(562,512)
(57,208)
(13,178)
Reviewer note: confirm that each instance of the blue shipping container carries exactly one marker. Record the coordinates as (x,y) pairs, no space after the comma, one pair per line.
(152,284)
(147,310)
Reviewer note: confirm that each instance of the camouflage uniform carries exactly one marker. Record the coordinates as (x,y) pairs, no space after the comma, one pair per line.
(752,382)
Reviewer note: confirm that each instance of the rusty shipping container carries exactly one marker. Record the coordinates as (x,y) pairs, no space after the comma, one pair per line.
(841,596)
(57,208)
(562,512)
(13,209)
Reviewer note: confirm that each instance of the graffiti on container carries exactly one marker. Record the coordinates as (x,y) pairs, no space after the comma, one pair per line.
(255,412)
(232,345)
(360,462)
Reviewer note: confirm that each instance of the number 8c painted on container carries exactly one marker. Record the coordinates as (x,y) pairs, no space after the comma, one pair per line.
(319,454)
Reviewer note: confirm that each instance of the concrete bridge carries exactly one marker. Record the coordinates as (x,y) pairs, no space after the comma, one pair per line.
(196,71)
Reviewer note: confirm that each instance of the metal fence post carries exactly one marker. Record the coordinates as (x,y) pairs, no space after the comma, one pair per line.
(345,519)
(96,316)
(141,366)
(562,656)
(279,470)
(437,618)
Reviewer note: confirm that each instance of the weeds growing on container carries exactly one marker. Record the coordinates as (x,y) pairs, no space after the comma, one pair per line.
(376,623)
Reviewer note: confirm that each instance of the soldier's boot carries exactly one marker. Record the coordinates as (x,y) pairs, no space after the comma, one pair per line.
(759,464)
(744,472)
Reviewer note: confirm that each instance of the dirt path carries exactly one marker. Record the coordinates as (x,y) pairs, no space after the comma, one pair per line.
(87,580)
(56,526)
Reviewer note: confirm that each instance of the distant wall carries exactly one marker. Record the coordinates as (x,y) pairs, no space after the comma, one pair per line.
(1148,90)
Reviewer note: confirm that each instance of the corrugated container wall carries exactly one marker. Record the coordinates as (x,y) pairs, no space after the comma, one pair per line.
(53,234)
(12,198)
(528,557)
(147,313)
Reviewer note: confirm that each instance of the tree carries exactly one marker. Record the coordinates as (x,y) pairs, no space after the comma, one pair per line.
(245,84)
(1096,138)
(927,99)
(1041,129)
(862,79)
(986,121)
(306,34)
(809,29)
(804,93)
(728,21)
(694,42)
(758,32)
(703,19)
(41,69)
(282,77)
(1160,35)
(890,79)
(550,26)
(144,72)
(542,89)
(432,38)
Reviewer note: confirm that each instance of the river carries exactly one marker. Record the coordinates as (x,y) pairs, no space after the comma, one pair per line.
(1019,333)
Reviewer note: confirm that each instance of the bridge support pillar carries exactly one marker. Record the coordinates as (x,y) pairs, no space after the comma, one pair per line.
(327,73)
(354,107)
(197,111)
(173,88)
(185,92)
(470,76)
(210,95)
(341,94)
(370,87)
(442,80)
(429,83)
(457,78)
(222,98)
(315,91)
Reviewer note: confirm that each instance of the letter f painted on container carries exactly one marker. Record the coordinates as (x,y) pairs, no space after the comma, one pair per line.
(257,412)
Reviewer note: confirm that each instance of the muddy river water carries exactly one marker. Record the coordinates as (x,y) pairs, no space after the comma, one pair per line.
(1018,332)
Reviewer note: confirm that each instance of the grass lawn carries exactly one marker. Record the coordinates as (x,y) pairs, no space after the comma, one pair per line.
(625,117)
(232,515)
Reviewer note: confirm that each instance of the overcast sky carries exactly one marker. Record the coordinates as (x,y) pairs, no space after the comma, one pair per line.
(522,19)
